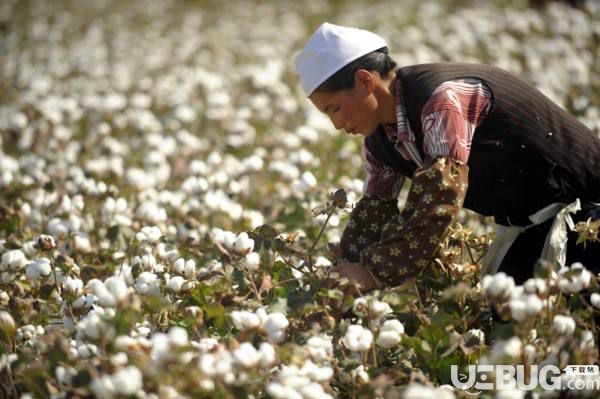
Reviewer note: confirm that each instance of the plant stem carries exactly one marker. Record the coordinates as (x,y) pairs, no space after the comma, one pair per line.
(312,248)
(469,252)
(289,263)
(254,289)
(54,273)
(287,281)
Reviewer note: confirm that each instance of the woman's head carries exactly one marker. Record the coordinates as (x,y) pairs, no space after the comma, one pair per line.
(345,72)
(376,61)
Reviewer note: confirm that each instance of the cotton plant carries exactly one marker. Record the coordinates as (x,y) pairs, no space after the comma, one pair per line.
(167,230)
(274,325)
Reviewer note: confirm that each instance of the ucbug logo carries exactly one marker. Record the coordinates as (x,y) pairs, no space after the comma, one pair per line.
(506,377)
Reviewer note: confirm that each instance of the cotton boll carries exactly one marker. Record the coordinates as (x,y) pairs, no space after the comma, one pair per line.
(322,261)
(280,391)
(498,286)
(246,355)
(267,354)
(91,326)
(7,323)
(306,182)
(595,300)
(587,340)
(18,121)
(147,261)
(147,284)
(563,325)
(574,279)
(127,381)
(151,212)
(58,228)
(357,338)
(64,375)
(117,288)
(388,339)
(255,218)
(390,334)
(360,307)
(379,309)
(360,375)
(243,243)
(150,234)
(315,372)
(206,345)
(475,335)
(179,266)
(253,163)
(225,238)
(102,387)
(4,298)
(178,336)
(535,286)
(244,320)
(275,325)
(175,283)
(307,134)
(46,242)
(82,243)
(13,260)
(503,349)
(37,269)
(206,364)
(366,307)
(418,391)
(30,248)
(190,268)
(84,301)
(251,261)
(320,348)
(105,298)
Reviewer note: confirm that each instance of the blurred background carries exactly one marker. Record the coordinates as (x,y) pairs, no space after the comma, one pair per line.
(130,93)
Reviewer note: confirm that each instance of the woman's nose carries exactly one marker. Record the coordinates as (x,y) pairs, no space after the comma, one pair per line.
(338,123)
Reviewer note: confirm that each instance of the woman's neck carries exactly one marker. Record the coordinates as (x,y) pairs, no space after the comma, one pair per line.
(388,101)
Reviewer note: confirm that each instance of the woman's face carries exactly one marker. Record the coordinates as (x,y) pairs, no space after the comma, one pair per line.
(355,110)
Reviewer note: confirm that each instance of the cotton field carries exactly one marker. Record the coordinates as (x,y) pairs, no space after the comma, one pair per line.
(170,205)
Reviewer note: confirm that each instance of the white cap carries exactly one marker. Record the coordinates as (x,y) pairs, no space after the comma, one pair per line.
(331,48)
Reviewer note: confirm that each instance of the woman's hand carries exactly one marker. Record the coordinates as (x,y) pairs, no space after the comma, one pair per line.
(361,280)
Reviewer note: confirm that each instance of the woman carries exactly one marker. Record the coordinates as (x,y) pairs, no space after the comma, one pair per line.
(448,126)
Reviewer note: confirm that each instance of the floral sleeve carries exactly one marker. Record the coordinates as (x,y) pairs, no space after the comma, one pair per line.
(366,224)
(408,242)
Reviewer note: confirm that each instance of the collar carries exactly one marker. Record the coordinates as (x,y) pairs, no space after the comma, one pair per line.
(396,131)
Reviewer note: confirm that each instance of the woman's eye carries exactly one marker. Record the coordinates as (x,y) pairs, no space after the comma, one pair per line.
(336,109)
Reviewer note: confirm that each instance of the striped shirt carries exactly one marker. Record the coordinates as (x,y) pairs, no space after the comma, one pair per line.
(449,119)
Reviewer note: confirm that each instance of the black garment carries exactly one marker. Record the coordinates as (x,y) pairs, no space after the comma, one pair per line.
(527,247)
(528,152)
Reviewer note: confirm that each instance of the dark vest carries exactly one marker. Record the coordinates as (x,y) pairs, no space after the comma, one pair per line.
(527,153)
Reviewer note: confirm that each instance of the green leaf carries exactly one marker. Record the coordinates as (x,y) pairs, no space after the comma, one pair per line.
(240,279)
(213,310)
(35,381)
(331,293)
(113,233)
(56,355)
(82,379)
(153,304)
(46,291)
(400,297)
(443,368)
(280,305)
(299,298)
(125,319)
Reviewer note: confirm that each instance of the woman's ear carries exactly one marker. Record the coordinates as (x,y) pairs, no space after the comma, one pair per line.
(366,79)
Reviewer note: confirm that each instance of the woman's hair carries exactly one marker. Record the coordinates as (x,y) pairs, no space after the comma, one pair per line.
(378,61)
